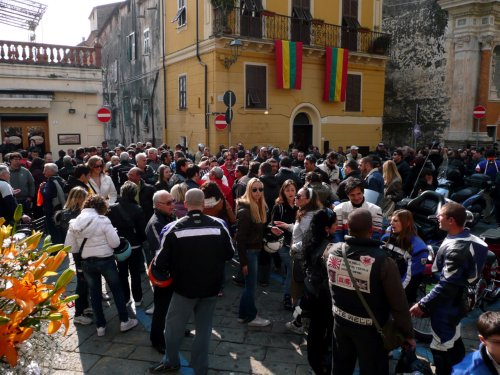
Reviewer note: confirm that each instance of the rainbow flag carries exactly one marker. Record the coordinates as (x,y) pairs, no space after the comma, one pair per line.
(335,74)
(288,64)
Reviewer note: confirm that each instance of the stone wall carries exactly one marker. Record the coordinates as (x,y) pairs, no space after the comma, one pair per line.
(416,71)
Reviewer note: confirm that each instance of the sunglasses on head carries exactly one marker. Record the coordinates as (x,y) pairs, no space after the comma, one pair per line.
(254,190)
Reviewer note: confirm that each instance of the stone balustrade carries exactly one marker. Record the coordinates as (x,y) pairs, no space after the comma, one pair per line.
(12,52)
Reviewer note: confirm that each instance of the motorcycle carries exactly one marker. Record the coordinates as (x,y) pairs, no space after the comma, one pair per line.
(475,197)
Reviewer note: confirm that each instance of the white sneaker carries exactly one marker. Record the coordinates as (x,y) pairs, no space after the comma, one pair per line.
(151,310)
(101,331)
(138,303)
(128,325)
(259,322)
(82,319)
(294,328)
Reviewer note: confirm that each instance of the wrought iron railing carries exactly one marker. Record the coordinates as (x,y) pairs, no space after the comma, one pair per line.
(315,33)
(49,54)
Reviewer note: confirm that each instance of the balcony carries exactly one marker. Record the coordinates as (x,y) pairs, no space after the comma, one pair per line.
(49,54)
(312,32)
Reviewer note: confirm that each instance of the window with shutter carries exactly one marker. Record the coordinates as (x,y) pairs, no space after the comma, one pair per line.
(147,42)
(495,74)
(183,92)
(256,86)
(180,16)
(353,93)
(131,46)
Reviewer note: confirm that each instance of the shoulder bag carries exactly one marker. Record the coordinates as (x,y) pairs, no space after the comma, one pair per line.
(391,335)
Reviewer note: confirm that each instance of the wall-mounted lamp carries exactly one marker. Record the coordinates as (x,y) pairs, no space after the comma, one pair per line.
(235,46)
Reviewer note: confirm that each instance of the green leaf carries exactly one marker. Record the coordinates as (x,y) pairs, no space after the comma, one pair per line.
(70,298)
(4,320)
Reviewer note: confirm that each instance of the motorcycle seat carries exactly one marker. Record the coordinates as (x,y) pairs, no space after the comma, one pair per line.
(426,204)
(463,194)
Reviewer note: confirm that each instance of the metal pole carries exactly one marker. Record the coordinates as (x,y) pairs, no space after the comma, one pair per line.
(477,132)
(229,125)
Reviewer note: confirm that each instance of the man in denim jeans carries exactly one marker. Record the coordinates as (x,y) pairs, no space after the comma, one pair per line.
(194,250)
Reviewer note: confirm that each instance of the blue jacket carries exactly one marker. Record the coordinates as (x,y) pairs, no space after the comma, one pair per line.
(459,260)
(476,363)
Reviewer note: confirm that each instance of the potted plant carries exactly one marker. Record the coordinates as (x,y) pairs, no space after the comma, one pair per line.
(223,7)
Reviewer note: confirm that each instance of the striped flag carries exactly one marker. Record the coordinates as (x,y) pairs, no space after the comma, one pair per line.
(288,64)
(335,74)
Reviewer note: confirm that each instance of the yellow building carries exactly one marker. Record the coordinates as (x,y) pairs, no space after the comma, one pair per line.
(210,50)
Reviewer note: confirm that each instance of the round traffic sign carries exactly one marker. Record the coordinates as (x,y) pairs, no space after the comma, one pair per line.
(229,98)
(229,116)
(220,122)
(104,114)
(479,112)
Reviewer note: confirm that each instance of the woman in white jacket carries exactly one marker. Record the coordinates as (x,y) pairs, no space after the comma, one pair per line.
(308,203)
(92,239)
(99,182)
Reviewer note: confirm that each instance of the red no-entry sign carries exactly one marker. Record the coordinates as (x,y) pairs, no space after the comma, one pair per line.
(104,114)
(220,122)
(479,112)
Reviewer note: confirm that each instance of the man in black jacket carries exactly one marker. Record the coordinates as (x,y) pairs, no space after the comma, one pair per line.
(163,214)
(146,191)
(286,173)
(376,276)
(119,172)
(194,249)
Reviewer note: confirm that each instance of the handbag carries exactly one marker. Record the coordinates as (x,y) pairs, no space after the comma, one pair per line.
(391,335)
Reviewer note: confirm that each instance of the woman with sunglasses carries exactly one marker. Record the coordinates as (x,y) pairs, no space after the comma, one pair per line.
(308,203)
(99,182)
(252,221)
(408,250)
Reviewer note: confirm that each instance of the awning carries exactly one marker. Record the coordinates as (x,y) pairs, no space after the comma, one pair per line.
(25,100)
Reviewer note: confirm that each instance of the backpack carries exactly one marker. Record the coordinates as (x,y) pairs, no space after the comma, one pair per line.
(60,199)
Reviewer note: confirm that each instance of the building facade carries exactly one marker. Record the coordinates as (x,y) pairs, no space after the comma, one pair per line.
(131,36)
(473,76)
(211,49)
(50,95)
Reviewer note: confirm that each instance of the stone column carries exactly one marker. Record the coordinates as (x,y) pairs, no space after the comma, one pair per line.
(484,78)
(465,65)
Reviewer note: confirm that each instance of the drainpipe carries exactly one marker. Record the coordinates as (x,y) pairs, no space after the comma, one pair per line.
(151,108)
(162,3)
(207,131)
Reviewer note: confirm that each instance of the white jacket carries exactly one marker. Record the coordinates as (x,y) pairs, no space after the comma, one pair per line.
(107,189)
(299,229)
(101,236)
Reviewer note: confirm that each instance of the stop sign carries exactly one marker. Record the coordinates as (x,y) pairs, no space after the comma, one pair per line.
(220,122)
(479,112)
(104,114)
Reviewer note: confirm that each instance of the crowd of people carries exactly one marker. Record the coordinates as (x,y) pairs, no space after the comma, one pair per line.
(310,216)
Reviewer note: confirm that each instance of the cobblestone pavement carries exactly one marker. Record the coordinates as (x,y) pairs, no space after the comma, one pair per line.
(234,349)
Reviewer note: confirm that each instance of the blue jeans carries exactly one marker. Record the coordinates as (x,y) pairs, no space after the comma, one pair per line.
(93,269)
(178,315)
(248,310)
(284,253)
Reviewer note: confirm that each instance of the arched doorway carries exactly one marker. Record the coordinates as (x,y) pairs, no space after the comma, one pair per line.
(302,131)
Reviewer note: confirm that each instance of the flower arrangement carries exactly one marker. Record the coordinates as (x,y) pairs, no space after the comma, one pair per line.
(30,294)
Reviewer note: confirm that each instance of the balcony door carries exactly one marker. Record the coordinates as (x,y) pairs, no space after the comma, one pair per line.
(350,24)
(301,21)
(251,20)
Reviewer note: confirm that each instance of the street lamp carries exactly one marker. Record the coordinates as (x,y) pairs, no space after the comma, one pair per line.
(235,46)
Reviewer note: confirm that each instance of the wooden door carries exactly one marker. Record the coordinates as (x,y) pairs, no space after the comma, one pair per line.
(27,133)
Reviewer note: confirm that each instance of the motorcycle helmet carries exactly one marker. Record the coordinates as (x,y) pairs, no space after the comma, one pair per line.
(123,251)
(158,278)
(272,243)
